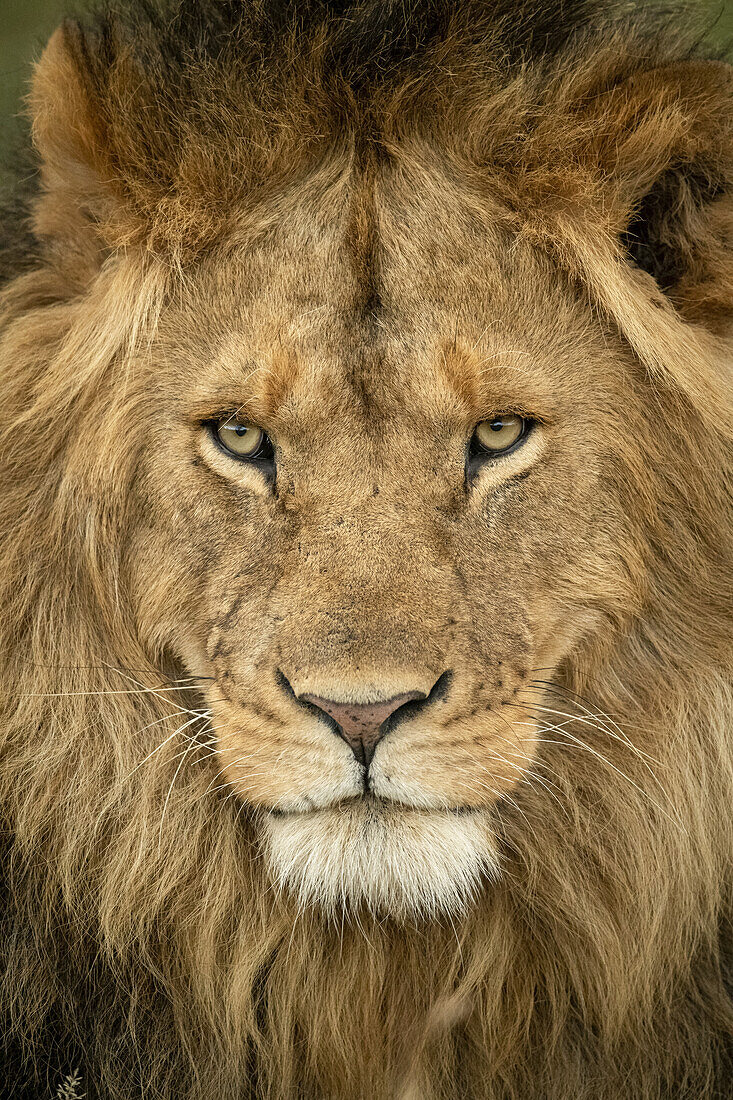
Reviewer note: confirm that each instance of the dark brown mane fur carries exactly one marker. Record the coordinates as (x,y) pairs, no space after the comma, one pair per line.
(193,106)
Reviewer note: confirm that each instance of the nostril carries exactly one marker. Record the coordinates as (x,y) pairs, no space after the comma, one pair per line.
(437,694)
(362,725)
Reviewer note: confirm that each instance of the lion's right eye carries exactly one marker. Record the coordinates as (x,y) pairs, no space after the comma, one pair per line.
(500,434)
(242,440)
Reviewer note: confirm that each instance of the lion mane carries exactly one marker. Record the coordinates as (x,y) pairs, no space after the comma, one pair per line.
(143,945)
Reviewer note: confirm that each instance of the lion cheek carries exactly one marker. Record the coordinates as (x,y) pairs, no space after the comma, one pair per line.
(473,766)
(274,767)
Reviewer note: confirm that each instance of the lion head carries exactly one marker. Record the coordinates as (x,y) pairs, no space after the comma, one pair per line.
(366,556)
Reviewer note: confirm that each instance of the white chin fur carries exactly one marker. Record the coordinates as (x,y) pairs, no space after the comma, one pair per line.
(394,860)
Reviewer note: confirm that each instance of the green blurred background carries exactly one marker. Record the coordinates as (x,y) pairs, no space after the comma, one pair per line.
(24,27)
(26,24)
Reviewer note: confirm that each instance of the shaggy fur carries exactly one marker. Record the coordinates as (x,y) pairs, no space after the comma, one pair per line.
(369,226)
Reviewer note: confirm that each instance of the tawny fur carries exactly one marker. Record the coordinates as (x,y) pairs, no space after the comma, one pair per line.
(370,256)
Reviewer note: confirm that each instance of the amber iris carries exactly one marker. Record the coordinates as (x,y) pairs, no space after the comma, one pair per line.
(499,434)
(240,439)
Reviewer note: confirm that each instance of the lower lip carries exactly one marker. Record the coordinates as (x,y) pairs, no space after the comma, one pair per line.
(378,804)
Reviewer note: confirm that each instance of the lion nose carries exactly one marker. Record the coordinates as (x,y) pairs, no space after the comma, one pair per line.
(362,725)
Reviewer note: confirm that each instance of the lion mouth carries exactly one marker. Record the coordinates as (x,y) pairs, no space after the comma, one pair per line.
(372,804)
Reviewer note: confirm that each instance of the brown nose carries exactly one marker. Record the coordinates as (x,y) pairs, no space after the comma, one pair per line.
(361,724)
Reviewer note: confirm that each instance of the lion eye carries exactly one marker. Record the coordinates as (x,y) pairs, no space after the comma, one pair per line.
(498,435)
(241,439)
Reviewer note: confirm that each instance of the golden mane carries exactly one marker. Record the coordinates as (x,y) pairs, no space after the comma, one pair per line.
(142,940)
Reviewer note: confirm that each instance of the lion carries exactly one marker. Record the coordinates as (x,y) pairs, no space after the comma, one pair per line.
(366,555)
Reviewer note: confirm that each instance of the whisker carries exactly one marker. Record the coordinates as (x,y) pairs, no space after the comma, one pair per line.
(113,691)
(154,692)
(624,740)
(580,702)
(176,732)
(187,750)
(599,756)
(120,669)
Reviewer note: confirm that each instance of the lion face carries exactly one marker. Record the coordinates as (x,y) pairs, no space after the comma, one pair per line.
(371,608)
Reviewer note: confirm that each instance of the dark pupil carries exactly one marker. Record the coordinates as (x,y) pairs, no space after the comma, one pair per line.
(241,429)
(496,425)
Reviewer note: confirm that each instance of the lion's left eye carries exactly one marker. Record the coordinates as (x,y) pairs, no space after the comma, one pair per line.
(499,435)
(242,440)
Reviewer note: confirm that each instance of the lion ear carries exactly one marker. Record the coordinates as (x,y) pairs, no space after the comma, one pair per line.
(76,197)
(673,175)
(661,262)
